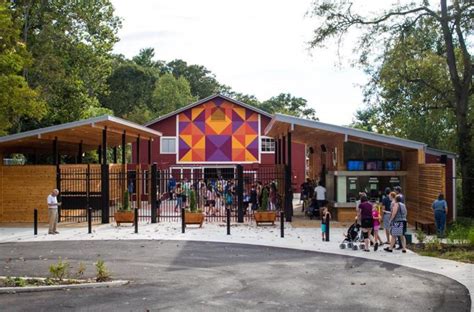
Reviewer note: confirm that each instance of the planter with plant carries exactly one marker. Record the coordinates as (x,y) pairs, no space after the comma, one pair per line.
(124,213)
(262,215)
(193,215)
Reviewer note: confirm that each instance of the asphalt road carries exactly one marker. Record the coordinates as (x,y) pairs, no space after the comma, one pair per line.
(200,276)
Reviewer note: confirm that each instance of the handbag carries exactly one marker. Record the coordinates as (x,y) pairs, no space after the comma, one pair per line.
(396,228)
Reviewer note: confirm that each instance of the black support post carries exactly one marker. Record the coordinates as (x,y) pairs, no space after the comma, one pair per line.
(240,193)
(104,146)
(115,154)
(228,219)
(288,194)
(153,191)
(105,193)
(136,220)
(35,219)
(282,224)
(58,171)
(79,154)
(138,150)
(89,220)
(124,145)
(183,223)
(288,149)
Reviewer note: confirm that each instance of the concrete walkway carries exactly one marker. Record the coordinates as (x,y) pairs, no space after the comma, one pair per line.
(295,238)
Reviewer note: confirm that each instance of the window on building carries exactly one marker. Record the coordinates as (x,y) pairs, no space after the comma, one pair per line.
(168,145)
(268,145)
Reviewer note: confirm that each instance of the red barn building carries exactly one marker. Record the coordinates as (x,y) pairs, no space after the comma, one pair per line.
(210,137)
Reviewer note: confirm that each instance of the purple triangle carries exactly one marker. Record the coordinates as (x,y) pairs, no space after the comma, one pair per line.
(218,156)
(182,125)
(253,151)
(253,144)
(235,116)
(188,114)
(253,125)
(210,148)
(201,125)
(236,125)
(201,116)
(218,101)
(217,140)
(183,148)
(226,148)
(248,113)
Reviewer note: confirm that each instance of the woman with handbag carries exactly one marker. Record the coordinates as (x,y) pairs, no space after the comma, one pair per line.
(398,221)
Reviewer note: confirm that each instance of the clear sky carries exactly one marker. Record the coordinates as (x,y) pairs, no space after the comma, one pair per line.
(256,47)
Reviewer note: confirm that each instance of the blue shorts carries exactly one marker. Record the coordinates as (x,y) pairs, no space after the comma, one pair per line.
(323,228)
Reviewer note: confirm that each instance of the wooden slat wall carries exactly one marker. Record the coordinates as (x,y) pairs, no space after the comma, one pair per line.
(431,183)
(412,184)
(24,188)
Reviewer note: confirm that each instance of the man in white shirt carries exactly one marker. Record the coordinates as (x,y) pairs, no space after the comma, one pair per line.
(53,211)
(320,195)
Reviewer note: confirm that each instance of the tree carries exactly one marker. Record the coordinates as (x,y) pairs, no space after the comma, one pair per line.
(130,86)
(453,21)
(171,94)
(70,42)
(287,104)
(145,59)
(17,99)
(201,80)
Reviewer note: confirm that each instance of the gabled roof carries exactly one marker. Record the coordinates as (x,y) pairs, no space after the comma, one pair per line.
(292,120)
(209,98)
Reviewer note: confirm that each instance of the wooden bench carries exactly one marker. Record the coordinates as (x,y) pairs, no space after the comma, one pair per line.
(423,223)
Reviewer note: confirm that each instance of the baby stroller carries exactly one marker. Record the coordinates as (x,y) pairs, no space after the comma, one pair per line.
(313,209)
(351,237)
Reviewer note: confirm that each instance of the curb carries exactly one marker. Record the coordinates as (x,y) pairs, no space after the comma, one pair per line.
(13,290)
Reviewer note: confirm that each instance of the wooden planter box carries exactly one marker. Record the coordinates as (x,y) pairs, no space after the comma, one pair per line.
(124,217)
(265,217)
(194,218)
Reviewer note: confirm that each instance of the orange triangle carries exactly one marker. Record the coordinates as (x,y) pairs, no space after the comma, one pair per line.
(182,117)
(238,155)
(249,156)
(196,111)
(188,139)
(188,156)
(198,154)
(201,143)
(236,143)
(253,117)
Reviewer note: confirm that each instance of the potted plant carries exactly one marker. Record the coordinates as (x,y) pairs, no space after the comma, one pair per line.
(262,215)
(193,215)
(124,214)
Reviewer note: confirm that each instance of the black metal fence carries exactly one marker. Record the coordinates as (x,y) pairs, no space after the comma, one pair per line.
(159,195)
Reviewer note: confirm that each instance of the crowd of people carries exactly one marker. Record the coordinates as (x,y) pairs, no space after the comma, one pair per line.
(213,195)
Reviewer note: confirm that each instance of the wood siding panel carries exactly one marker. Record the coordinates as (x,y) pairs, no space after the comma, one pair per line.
(432,181)
(24,188)
(412,187)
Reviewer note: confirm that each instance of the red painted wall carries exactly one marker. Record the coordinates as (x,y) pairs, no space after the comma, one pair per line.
(431,159)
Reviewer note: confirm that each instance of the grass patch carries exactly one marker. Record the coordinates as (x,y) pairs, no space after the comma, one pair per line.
(466,256)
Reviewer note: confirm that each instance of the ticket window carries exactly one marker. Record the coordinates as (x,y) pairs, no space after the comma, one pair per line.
(353,186)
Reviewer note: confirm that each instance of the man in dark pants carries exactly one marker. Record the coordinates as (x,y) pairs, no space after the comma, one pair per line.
(398,190)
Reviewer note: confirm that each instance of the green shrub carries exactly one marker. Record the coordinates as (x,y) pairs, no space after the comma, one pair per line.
(470,236)
(458,234)
(60,270)
(103,273)
(192,201)
(264,200)
(81,270)
(20,282)
(434,244)
(126,202)
(420,236)
(9,282)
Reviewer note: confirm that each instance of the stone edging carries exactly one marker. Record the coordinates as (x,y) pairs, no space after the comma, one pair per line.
(12,290)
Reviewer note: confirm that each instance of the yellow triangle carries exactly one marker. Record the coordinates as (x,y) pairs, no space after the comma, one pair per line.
(249,156)
(240,111)
(196,111)
(201,143)
(188,139)
(236,144)
(188,156)
(249,138)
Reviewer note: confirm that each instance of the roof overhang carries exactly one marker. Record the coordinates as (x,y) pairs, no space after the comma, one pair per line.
(305,130)
(71,134)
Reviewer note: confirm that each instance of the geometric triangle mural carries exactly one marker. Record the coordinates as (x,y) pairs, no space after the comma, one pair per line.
(218,131)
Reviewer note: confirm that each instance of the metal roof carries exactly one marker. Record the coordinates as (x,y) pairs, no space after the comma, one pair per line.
(182,109)
(87,131)
(292,120)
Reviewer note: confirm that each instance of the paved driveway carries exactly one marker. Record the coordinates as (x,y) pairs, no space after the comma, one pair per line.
(201,276)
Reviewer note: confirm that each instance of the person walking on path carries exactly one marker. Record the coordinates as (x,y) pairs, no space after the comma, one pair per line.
(53,211)
(387,204)
(398,221)
(440,207)
(365,215)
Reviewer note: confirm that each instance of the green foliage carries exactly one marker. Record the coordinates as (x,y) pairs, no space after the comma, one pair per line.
(131,88)
(287,104)
(70,42)
(264,206)
(103,273)
(17,99)
(192,201)
(126,202)
(14,282)
(420,236)
(461,233)
(170,94)
(59,270)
